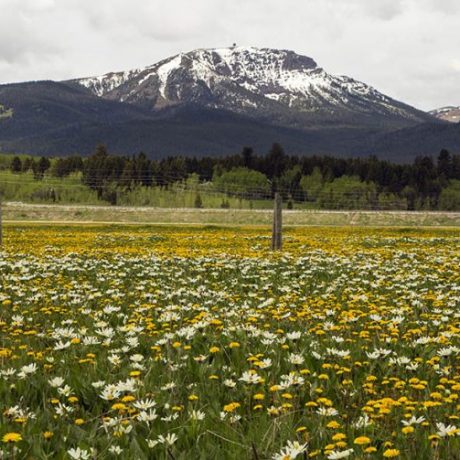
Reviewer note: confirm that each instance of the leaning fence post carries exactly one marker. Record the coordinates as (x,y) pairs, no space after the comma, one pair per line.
(277,223)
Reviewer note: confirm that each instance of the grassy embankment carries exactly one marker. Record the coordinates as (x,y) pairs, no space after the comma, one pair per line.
(149,215)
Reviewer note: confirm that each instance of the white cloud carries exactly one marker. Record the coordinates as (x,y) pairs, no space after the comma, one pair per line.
(406,48)
(455,64)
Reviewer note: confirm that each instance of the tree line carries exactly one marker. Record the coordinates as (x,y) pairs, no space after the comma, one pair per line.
(322,181)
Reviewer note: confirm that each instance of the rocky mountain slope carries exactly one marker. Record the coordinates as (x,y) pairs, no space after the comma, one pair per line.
(278,86)
(449,113)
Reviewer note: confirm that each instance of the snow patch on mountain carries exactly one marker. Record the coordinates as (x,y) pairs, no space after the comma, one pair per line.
(103,84)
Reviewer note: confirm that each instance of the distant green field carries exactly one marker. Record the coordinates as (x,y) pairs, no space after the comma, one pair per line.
(5,112)
(70,190)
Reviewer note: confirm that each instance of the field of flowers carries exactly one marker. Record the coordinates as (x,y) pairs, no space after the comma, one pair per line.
(139,342)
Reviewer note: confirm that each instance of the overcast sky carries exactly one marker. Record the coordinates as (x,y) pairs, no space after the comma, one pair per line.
(408,49)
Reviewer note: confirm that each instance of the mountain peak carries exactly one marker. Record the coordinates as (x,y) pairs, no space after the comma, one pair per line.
(270,54)
(263,65)
(271,84)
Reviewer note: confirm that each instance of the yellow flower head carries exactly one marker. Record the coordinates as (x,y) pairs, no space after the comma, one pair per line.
(362,440)
(339,437)
(11,437)
(390,453)
(334,425)
(408,429)
(231,407)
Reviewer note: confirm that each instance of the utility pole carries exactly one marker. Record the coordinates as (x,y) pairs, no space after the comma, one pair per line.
(277,223)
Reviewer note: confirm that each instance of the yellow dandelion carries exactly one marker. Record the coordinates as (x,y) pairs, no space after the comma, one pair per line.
(362,440)
(390,453)
(339,437)
(231,407)
(333,425)
(119,406)
(11,437)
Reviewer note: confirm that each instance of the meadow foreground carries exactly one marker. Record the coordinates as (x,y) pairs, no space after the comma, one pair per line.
(154,342)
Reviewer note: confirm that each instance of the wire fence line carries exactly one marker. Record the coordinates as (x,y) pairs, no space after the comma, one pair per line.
(174,187)
(334,208)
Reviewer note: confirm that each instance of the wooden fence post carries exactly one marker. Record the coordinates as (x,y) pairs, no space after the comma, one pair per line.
(277,223)
(1,221)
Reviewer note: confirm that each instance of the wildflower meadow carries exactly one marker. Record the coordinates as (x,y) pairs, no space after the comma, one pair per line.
(138,342)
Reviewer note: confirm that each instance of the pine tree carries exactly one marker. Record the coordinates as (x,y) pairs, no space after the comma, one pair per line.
(16,165)
(247,155)
(444,164)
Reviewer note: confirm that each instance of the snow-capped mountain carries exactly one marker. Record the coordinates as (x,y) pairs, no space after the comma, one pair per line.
(449,113)
(215,101)
(274,85)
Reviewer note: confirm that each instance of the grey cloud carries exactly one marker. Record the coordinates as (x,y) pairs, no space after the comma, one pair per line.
(383,9)
(442,6)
